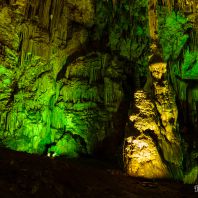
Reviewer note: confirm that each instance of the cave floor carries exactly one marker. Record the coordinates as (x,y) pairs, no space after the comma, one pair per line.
(25,175)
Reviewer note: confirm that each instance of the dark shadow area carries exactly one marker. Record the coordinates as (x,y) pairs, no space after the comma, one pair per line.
(25,175)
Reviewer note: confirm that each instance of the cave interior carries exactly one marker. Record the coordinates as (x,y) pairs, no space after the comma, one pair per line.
(102,89)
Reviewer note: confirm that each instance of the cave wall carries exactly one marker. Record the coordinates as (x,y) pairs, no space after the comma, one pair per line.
(58,94)
(72,71)
(67,72)
(184,76)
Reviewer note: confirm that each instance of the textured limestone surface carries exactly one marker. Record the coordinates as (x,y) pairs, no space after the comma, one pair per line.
(57,96)
(69,69)
(153,146)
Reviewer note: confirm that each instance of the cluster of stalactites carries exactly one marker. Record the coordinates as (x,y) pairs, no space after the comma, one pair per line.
(182,5)
(188,5)
(44,11)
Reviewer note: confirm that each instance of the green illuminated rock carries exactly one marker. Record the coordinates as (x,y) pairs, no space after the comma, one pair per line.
(69,70)
(56,96)
(179,39)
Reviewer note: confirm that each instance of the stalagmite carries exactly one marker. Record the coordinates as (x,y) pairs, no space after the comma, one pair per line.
(154,119)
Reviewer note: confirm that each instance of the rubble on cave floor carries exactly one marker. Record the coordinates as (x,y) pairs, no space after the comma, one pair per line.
(25,175)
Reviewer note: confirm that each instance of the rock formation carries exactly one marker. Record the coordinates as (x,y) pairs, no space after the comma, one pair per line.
(57,94)
(71,72)
(153,145)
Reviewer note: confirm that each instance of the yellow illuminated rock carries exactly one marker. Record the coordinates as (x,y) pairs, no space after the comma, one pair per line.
(152,146)
(143,159)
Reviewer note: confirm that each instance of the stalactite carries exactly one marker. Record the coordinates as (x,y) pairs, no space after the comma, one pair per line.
(169,4)
(50,15)
(181,5)
(90,71)
(153,24)
(77,91)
